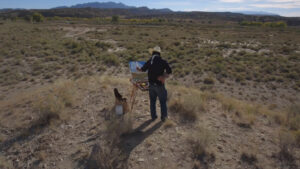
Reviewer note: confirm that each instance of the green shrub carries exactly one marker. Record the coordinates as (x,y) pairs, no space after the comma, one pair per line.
(279,24)
(111,60)
(209,81)
(103,45)
(37,17)
(115,19)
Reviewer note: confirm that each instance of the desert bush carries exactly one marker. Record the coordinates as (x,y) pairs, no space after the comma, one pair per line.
(169,123)
(267,24)
(293,117)
(51,105)
(279,118)
(209,81)
(200,141)
(245,23)
(115,19)
(117,126)
(297,137)
(106,156)
(37,17)
(110,60)
(5,163)
(103,45)
(188,106)
(28,18)
(287,146)
(244,112)
(248,157)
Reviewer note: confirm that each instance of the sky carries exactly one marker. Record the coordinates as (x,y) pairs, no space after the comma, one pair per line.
(281,7)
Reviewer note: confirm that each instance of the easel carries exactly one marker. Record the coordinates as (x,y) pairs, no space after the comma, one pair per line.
(135,87)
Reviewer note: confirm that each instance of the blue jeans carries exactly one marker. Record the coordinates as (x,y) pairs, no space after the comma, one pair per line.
(160,92)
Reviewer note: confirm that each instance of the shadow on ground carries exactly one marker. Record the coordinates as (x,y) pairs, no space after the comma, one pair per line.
(117,156)
(132,140)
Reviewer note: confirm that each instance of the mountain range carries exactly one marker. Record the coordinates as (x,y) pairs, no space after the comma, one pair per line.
(114,5)
(109,5)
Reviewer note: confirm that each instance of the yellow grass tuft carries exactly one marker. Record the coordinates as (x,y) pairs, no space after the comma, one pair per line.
(52,103)
(5,163)
(201,140)
(188,103)
(287,144)
(169,123)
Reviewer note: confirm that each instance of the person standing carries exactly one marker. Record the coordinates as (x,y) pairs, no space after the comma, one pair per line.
(158,71)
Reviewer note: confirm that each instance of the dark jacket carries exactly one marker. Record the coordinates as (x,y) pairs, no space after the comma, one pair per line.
(156,67)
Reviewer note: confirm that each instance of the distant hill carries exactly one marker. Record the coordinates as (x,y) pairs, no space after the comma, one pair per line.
(101,5)
(114,5)
(257,13)
(111,5)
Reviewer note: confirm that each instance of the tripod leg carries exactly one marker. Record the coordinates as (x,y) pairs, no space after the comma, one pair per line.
(133,97)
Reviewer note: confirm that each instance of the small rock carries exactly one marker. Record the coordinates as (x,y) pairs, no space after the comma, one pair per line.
(141,160)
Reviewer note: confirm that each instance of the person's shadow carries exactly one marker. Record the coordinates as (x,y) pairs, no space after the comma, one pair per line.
(127,143)
(132,140)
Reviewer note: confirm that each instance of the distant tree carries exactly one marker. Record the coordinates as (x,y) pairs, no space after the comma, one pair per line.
(13,18)
(37,17)
(115,19)
(28,18)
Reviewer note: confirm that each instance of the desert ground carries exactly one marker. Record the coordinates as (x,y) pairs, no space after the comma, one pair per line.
(233,96)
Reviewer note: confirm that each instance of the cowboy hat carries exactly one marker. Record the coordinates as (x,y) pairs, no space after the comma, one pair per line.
(155,49)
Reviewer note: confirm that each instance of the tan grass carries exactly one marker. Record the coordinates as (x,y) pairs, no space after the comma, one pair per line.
(169,123)
(293,117)
(201,140)
(248,112)
(5,163)
(53,102)
(248,157)
(42,156)
(107,156)
(117,126)
(187,102)
(287,144)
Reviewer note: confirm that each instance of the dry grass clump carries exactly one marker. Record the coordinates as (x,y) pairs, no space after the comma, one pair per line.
(169,123)
(188,103)
(107,156)
(297,137)
(200,141)
(2,138)
(118,126)
(248,112)
(287,148)
(209,81)
(51,104)
(5,163)
(114,80)
(249,158)
(41,156)
(293,117)
(245,113)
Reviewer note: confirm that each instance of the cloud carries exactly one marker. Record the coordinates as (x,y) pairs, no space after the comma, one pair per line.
(282,4)
(167,3)
(232,1)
